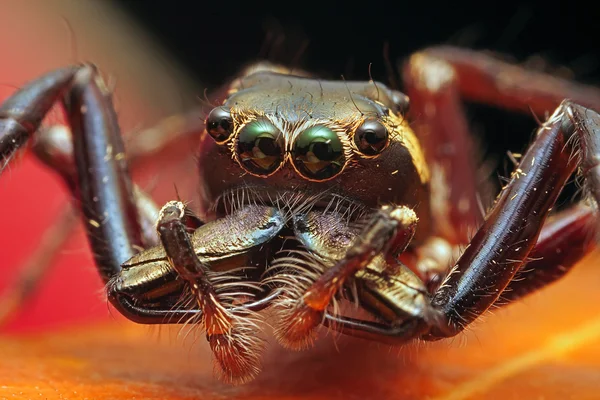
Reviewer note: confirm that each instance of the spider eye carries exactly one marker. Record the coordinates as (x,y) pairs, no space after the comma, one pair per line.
(318,153)
(371,138)
(260,147)
(219,124)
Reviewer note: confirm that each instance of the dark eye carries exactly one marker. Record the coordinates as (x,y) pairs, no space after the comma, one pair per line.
(371,137)
(318,153)
(260,147)
(219,124)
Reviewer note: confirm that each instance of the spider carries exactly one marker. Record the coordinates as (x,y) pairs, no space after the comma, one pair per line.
(328,202)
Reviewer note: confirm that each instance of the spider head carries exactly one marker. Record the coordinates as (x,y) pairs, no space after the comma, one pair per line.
(291,133)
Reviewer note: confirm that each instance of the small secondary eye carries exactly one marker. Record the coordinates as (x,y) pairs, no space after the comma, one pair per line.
(318,153)
(219,124)
(260,147)
(371,138)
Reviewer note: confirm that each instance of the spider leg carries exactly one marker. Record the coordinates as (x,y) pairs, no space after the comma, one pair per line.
(485,79)
(436,80)
(103,187)
(565,238)
(21,115)
(441,125)
(117,215)
(34,270)
(514,232)
(569,139)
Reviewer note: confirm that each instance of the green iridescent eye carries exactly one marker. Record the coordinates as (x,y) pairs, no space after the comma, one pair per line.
(260,147)
(318,153)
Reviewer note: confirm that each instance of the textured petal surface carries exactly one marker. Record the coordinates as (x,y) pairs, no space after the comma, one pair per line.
(546,347)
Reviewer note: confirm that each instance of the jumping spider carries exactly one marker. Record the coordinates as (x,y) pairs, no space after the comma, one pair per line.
(316,192)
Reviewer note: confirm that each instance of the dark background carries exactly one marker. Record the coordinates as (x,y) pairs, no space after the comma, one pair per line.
(214,43)
(213,40)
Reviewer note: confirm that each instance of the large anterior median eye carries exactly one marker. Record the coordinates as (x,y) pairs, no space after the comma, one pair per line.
(318,153)
(260,147)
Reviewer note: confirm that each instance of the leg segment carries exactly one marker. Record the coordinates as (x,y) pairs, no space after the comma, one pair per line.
(436,79)
(107,197)
(22,114)
(19,118)
(105,190)
(103,187)
(485,79)
(443,131)
(511,235)
(566,238)
(511,229)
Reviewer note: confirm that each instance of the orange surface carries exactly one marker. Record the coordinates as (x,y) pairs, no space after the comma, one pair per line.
(547,347)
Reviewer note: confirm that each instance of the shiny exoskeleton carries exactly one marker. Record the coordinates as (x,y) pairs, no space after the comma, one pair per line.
(321,202)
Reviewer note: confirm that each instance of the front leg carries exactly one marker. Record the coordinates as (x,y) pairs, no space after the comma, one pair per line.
(104,188)
(145,286)
(437,79)
(569,139)
(116,214)
(509,242)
